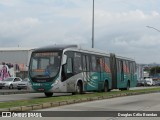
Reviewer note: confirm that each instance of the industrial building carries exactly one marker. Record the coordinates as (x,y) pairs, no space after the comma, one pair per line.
(15,60)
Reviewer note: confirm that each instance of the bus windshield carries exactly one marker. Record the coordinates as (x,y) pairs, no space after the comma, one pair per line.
(45,64)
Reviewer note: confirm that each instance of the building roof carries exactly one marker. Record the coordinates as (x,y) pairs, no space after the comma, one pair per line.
(15,49)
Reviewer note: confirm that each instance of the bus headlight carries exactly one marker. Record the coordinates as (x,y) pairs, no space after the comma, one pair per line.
(55,83)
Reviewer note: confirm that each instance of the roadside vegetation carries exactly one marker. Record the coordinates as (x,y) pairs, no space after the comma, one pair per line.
(104,95)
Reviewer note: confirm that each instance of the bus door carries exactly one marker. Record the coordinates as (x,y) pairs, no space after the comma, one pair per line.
(113,66)
(86,72)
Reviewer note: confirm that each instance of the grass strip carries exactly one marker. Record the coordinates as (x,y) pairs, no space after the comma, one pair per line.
(75,97)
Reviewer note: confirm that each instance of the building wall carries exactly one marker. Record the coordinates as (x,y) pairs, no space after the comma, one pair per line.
(14,56)
(20,57)
(17,58)
(140,74)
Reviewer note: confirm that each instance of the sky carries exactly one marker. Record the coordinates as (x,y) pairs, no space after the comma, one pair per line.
(120,25)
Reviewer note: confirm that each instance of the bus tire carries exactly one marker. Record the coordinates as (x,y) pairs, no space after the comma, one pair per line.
(106,89)
(79,88)
(73,93)
(128,86)
(48,94)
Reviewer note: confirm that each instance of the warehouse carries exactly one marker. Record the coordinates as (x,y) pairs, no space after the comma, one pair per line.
(15,61)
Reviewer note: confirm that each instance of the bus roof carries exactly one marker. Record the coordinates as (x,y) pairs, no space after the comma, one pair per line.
(54,47)
(77,48)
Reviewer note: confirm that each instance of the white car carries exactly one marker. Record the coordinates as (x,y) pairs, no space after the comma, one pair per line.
(149,81)
(10,82)
(23,84)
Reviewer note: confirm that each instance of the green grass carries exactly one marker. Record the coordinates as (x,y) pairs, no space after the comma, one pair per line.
(73,97)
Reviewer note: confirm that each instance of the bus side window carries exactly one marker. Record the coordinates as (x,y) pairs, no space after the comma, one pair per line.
(77,63)
(119,66)
(93,63)
(127,67)
(107,65)
(98,67)
(131,67)
(86,63)
(135,68)
(69,66)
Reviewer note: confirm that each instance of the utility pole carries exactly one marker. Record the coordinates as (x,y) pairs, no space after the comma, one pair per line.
(93,26)
(155,71)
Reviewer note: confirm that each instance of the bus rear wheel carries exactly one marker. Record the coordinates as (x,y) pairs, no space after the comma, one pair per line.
(79,88)
(127,87)
(106,89)
(48,94)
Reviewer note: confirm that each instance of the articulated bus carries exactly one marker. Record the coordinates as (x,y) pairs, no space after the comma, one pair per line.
(72,69)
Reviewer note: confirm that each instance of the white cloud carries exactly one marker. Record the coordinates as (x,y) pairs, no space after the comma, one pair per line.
(120,25)
(17,27)
(7,3)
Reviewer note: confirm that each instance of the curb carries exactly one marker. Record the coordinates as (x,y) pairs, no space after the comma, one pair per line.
(16,92)
(62,103)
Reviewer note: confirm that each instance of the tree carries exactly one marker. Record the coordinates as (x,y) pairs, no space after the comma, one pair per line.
(155,70)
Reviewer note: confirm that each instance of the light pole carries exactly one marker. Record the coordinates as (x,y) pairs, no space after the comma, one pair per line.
(153,28)
(158,31)
(93,26)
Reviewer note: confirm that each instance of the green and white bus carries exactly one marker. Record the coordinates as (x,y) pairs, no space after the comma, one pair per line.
(72,69)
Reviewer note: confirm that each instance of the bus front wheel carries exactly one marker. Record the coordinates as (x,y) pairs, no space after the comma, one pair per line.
(48,94)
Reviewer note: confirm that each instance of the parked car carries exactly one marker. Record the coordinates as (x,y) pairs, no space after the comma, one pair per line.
(23,84)
(10,82)
(157,83)
(141,82)
(149,82)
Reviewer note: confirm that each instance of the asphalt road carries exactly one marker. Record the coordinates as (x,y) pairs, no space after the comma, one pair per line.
(142,102)
(26,96)
(145,102)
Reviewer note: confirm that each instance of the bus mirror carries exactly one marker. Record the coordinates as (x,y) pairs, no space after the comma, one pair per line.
(64,61)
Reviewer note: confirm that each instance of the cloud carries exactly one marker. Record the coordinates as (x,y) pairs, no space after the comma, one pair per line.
(120,25)
(13,32)
(126,34)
